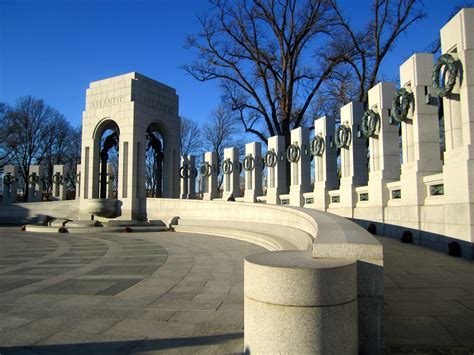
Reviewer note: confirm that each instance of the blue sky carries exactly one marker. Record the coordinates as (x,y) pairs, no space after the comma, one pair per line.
(52,49)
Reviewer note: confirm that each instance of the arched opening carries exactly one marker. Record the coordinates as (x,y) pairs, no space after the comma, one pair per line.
(108,143)
(154,161)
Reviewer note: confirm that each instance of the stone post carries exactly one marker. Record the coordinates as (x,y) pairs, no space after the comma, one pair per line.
(276,175)
(77,182)
(353,159)
(457,39)
(231,170)
(297,304)
(420,138)
(184,173)
(252,165)
(300,167)
(192,177)
(325,161)
(209,174)
(384,163)
(59,182)
(10,184)
(35,184)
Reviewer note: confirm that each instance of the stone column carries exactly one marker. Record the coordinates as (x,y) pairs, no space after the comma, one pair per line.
(192,177)
(209,176)
(232,175)
(10,184)
(59,182)
(110,180)
(457,39)
(384,163)
(35,184)
(77,182)
(420,138)
(276,175)
(184,173)
(252,165)
(297,304)
(353,159)
(300,168)
(325,162)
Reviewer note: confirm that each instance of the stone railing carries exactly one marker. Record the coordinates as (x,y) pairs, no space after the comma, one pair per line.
(338,279)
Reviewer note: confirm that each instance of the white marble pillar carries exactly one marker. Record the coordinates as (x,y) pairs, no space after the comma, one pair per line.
(184,173)
(252,166)
(384,163)
(325,161)
(354,170)
(192,177)
(35,184)
(420,138)
(77,182)
(232,174)
(59,182)
(209,172)
(276,174)
(110,180)
(457,39)
(300,168)
(10,184)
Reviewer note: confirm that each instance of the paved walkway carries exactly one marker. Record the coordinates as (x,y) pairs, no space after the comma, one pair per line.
(181,293)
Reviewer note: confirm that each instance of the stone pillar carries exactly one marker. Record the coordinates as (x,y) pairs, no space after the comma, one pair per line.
(457,39)
(325,162)
(276,175)
(77,182)
(184,173)
(208,172)
(300,168)
(420,138)
(59,182)
(232,173)
(384,163)
(35,184)
(252,165)
(297,304)
(192,177)
(10,184)
(110,180)
(353,159)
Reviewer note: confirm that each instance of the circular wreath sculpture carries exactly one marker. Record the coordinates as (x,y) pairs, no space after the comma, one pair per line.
(401,104)
(317,145)
(57,178)
(205,169)
(249,163)
(452,68)
(78,178)
(33,179)
(293,153)
(184,172)
(370,122)
(342,137)
(270,159)
(8,179)
(227,166)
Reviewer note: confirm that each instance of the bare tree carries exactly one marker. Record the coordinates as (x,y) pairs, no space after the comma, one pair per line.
(261,51)
(190,140)
(220,132)
(367,48)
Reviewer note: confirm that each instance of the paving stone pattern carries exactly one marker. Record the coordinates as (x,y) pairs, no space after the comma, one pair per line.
(121,293)
(183,293)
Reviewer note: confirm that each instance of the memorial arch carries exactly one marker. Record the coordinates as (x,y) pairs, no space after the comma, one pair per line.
(132,114)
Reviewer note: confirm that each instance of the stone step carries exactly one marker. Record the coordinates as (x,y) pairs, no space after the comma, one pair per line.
(295,237)
(266,241)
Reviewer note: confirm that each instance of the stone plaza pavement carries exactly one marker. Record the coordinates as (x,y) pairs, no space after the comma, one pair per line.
(183,293)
